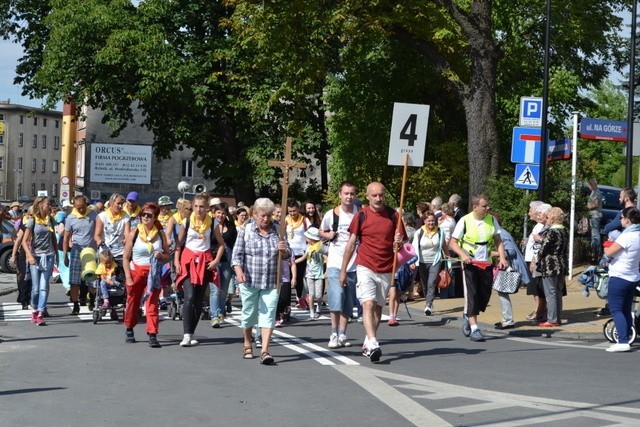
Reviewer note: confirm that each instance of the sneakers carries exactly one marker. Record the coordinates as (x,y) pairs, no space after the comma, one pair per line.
(619,348)
(371,349)
(128,336)
(279,322)
(466,328)
(105,303)
(187,341)
(343,341)
(34,316)
(548,324)
(76,309)
(393,321)
(215,322)
(476,336)
(153,341)
(114,314)
(428,311)
(40,321)
(359,319)
(333,341)
(316,315)
(258,340)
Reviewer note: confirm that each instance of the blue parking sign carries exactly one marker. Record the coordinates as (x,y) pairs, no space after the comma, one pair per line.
(530,111)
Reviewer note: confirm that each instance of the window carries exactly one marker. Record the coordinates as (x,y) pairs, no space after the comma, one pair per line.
(33,190)
(44,141)
(43,166)
(21,120)
(54,166)
(1,162)
(1,139)
(187,168)
(54,189)
(35,141)
(20,164)
(57,124)
(43,186)
(21,139)
(33,165)
(35,121)
(44,123)
(1,117)
(19,189)
(56,142)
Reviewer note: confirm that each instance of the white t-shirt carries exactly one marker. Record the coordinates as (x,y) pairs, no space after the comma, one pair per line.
(626,262)
(447,225)
(482,251)
(529,250)
(339,244)
(295,236)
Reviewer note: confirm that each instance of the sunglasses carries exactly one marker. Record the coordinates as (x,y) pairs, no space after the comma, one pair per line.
(146,215)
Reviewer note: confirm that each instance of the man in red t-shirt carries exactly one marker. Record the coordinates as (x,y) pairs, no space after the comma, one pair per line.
(375,229)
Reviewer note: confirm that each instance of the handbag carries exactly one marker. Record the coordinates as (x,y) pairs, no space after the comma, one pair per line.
(507,281)
(444,278)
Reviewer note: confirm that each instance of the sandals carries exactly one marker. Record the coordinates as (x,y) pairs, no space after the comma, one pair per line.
(247,352)
(266,359)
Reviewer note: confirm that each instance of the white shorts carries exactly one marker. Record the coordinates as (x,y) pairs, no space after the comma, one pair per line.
(372,286)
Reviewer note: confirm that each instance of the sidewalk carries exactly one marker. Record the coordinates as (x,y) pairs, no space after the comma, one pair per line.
(578,318)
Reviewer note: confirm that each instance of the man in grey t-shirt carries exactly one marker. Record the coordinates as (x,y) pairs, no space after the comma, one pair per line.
(594,204)
(79,230)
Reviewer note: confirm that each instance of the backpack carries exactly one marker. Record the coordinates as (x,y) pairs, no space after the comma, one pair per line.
(404,278)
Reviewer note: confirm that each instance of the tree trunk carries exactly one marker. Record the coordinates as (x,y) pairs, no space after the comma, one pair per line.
(234,155)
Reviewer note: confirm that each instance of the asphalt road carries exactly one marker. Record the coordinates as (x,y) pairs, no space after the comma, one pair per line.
(73,372)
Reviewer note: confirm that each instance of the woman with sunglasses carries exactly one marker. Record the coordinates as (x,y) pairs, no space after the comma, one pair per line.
(196,264)
(145,251)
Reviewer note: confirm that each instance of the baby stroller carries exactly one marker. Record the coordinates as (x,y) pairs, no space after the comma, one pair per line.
(609,329)
(117,299)
(174,305)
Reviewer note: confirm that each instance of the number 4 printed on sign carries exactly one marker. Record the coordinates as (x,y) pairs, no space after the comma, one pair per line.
(408,134)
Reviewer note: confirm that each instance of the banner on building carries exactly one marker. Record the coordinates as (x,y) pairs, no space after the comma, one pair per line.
(121,163)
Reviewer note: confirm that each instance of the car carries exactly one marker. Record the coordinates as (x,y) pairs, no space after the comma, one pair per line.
(6,247)
(610,203)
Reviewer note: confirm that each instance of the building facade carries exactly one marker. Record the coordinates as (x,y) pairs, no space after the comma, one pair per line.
(29,151)
(107,164)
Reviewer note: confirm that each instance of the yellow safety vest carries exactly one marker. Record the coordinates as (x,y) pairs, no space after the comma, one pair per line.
(471,236)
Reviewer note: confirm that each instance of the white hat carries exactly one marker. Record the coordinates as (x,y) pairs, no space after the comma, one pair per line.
(312,233)
(214,201)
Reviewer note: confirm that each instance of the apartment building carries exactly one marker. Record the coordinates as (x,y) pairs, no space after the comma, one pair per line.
(29,151)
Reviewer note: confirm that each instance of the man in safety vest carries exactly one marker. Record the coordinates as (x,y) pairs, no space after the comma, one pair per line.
(471,240)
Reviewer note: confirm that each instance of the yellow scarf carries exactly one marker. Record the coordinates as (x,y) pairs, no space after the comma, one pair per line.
(239,224)
(44,221)
(78,214)
(132,214)
(147,238)
(164,219)
(178,217)
(202,227)
(316,247)
(293,225)
(427,234)
(114,218)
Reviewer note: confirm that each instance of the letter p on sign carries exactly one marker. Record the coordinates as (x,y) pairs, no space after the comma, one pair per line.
(530,111)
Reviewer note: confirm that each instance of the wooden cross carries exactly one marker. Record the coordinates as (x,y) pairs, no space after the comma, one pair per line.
(287,165)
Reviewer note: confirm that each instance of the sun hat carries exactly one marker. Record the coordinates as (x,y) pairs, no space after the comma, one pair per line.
(312,233)
(164,201)
(14,204)
(214,201)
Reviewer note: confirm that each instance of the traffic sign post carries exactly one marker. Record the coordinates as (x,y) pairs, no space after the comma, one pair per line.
(525,145)
(527,176)
(530,111)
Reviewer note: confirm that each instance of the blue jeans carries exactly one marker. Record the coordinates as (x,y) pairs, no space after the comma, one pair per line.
(620,296)
(596,242)
(40,275)
(218,295)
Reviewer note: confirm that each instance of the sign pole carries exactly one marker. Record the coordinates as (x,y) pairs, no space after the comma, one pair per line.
(399,222)
(574,167)
(287,165)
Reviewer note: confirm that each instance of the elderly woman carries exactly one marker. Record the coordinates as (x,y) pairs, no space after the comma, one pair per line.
(624,276)
(255,258)
(538,213)
(552,264)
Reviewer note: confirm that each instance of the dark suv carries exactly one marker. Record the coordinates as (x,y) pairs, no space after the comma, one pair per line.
(610,203)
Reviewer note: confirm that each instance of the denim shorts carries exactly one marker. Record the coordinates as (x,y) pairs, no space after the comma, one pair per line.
(341,298)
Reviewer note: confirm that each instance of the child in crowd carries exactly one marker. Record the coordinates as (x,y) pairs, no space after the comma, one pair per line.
(107,272)
(288,271)
(314,277)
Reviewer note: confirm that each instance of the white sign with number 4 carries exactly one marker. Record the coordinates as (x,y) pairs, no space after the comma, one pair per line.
(408,134)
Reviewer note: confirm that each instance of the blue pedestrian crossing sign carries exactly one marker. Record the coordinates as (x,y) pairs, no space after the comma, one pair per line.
(527,176)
